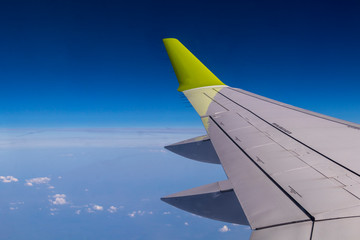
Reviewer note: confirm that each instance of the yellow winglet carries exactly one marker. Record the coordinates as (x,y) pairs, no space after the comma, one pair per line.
(190,72)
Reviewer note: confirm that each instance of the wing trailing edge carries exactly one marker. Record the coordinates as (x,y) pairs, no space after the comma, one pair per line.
(198,148)
(216,201)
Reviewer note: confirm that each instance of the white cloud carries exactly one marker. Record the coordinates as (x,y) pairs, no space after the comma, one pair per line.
(112,209)
(77,212)
(8,179)
(224,229)
(59,199)
(51,187)
(186,223)
(13,208)
(98,207)
(38,180)
(138,212)
(166,213)
(132,215)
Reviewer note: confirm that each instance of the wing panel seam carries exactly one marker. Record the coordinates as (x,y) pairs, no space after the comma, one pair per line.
(283,224)
(216,102)
(312,218)
(321,154)
(332,119)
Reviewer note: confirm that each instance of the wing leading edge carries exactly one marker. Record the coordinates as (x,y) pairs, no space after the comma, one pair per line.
(293,173)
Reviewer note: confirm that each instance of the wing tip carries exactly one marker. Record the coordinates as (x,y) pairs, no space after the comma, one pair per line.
(190,72)
(170,39)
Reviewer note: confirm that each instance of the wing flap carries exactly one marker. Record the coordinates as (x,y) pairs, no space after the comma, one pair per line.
(198,148)
(216,201)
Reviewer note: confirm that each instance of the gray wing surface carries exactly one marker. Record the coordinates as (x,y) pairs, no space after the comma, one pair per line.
(292,173)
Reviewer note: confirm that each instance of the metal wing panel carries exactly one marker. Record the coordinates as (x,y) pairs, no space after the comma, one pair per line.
(308,176)
(310,188)
(346,228)
(338,140)
(263,202)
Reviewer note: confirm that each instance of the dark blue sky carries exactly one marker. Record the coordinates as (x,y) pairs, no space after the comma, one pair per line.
(102,63)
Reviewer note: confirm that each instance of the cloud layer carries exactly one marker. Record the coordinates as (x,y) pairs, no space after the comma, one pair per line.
(59,199)
(100,137)
(8,179)
(38,180)
(224,229)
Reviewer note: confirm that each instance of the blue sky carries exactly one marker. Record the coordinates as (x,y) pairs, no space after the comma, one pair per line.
(101,184)
(102,63)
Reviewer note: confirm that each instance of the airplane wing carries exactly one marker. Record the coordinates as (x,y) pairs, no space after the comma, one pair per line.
(292,173)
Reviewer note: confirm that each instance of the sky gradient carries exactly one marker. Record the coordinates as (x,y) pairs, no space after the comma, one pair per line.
(102,63)
(88,99)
